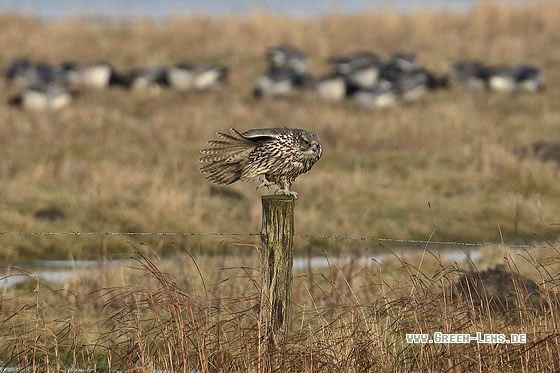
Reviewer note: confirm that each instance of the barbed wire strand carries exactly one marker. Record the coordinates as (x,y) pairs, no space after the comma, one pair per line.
(306,235)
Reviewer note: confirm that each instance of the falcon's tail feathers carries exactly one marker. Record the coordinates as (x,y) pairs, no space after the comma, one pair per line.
(226,147)
(226,155)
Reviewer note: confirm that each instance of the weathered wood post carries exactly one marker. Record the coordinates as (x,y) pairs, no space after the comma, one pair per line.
(277,235)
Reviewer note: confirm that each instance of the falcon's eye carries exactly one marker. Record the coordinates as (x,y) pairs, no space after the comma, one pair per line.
(305,143)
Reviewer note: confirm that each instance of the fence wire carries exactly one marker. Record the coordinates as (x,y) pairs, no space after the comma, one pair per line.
(548,245)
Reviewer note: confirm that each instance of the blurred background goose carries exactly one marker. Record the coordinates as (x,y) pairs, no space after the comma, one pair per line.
(151,78)
(286,57)
(23,73)
(330,87)
(43,97)
(280,82)
(88,75)
(286,72)
(528,78)
(383,95)
(501,79)
(198,77)
(360,70)
(468,74)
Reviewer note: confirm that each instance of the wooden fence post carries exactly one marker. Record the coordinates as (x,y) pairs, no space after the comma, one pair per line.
(277,235)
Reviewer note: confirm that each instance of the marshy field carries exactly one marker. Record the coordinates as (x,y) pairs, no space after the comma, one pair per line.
(391,182)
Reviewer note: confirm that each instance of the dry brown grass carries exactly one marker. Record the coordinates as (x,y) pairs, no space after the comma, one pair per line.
(182,314)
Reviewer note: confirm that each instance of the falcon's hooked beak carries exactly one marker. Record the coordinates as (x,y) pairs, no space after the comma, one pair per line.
(315,148)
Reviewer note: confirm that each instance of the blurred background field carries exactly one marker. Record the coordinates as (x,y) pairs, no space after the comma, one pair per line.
(126,161)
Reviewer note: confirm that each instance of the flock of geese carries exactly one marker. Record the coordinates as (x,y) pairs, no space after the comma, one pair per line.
(43,86)
(376,83)
(371,81)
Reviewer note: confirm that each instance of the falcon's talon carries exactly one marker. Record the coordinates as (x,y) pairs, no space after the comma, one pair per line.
(287,192)
(266,183)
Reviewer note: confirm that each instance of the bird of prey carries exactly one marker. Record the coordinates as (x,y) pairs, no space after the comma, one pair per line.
(276,156)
